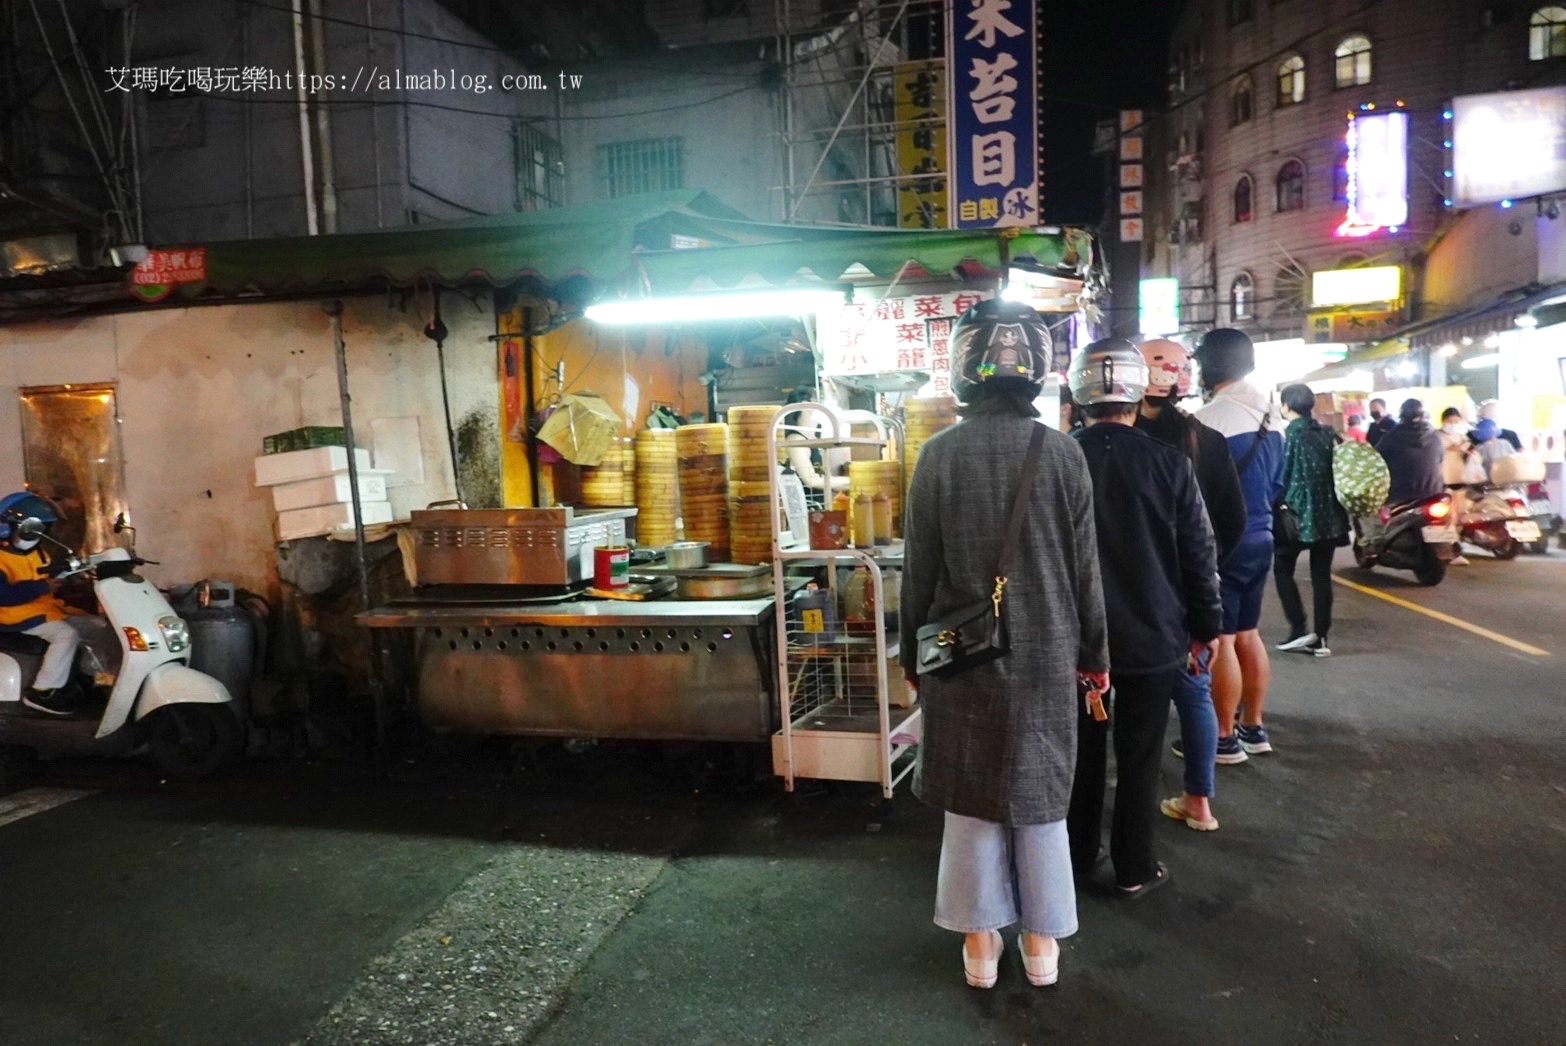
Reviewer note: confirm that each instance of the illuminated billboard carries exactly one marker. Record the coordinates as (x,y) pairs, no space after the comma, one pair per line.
(1159,305)
(1508,146)
(1356,286)
(1377,169)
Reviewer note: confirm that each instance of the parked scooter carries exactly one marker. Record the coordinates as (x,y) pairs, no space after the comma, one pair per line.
(152,698)
(1542,512)
(1418,536)
(1497,520)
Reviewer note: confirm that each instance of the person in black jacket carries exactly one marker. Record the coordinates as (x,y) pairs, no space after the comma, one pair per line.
(1412,450)
(1169,378)
(1160,576)
(1381,422)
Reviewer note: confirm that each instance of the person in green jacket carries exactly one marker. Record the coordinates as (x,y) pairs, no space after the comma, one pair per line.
(1323,525)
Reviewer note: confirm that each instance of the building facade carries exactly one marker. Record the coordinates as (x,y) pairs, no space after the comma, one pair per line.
(1248,167)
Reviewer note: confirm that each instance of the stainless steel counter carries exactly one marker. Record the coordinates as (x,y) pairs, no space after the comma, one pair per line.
(699,670)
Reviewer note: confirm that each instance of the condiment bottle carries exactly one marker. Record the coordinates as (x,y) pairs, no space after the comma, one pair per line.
(881,506)
(840,502)
(864,521)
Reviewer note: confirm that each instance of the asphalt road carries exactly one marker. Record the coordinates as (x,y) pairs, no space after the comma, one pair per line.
(1390,875)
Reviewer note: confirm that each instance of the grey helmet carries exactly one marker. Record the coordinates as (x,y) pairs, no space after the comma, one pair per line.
(1110,370)
(999,342)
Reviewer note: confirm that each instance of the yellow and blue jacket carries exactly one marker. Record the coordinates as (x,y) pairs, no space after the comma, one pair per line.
(26,598)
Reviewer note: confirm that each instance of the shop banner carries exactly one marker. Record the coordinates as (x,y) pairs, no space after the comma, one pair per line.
(155,276)
(903,333)
(919,103)
(1352,326)
(992,112)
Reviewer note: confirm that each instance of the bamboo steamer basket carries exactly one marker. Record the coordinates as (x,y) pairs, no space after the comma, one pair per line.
(704,486)
(612,481)
(870,477)
(657,486)
(923,418)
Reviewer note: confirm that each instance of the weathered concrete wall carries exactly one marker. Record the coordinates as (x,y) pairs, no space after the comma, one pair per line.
(198,389)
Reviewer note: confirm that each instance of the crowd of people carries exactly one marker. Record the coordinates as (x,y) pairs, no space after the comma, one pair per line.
(1136,583)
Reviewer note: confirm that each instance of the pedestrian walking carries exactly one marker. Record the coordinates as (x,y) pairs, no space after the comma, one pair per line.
(1169,379)
(1318,523)
(1159,566)
(999,742)
(1239,411)
(1381,422)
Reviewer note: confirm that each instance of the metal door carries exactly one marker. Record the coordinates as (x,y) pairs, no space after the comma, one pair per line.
(71,454)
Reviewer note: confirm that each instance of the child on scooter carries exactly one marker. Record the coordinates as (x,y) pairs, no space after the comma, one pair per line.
(28,603)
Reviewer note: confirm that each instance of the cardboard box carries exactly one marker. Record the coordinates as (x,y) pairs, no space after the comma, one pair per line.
(293,466)
(329,490)
(307,438)
(582,428)
(323,519)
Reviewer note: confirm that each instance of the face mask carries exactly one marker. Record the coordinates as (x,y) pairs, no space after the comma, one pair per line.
(1453,428)
(24,544)
(1375,415)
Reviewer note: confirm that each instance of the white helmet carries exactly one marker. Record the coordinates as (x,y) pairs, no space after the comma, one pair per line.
(1110,370)
(1168,369)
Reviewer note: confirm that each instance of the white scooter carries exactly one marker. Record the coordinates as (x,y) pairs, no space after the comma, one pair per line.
(185,718)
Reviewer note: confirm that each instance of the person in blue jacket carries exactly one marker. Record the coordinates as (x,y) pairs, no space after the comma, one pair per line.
(1254,430)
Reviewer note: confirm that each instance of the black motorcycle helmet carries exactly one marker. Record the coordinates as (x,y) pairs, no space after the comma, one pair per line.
(999,343)
(1224,354)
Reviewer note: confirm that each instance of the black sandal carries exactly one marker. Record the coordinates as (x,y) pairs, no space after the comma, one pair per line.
(1131,893)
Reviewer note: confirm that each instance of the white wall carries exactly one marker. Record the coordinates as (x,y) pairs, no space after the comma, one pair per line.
(199,388)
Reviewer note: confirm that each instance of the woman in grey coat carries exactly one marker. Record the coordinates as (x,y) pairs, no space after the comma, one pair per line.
(999,742)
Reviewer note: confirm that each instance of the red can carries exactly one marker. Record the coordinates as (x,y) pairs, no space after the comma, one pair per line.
(611,566)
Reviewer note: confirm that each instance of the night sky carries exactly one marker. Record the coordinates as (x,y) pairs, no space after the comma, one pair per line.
(1100,56)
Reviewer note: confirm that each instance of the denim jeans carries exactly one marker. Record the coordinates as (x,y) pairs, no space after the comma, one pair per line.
(993,875)
(1193,700)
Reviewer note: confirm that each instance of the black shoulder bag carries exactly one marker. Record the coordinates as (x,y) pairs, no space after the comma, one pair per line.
(976,634)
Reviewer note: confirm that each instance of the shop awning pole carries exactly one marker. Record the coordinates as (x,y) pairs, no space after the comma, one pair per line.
(334,309)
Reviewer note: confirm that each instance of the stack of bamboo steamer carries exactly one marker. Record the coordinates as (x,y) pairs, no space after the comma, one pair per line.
(657,487)
(613,480)
(923,418)
(704,486)
(877,477)
(750,487)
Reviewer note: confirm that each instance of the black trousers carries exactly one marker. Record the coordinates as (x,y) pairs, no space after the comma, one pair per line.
(1141,713)
(1321,553)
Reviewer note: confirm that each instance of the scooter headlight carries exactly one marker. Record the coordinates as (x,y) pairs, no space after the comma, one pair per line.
(176,634)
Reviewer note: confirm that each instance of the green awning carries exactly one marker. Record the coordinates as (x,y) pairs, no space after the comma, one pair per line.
(760,254)
(595,240)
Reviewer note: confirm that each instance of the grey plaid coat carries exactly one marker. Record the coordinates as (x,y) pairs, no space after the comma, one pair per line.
(1000,740)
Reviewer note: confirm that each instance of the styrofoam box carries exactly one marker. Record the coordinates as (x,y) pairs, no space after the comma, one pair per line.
(323,519)
(328,490)
(295,465)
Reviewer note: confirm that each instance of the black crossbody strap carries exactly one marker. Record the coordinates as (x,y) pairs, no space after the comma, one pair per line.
(1250,455)
(1019,501)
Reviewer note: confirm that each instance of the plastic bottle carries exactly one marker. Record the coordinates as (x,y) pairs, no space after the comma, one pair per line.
(864,521)
(840,502)
(882,510)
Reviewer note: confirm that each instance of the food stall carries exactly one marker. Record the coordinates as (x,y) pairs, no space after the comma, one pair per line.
(517,629)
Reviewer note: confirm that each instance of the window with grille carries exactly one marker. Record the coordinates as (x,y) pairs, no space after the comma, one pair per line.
(1243,190)
(1242,294)
(540,170)
(644,165)
(1547,34)
(1353,62)
(1240,103)
(1291,81)
(1291,186)
(1291,288)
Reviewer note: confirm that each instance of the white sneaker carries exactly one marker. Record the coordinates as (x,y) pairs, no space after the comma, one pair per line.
(1320,649)
(1459,561)
(1297,643)
(982,973)
(1042,970)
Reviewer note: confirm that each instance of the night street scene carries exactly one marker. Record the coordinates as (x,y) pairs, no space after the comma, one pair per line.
(782,521)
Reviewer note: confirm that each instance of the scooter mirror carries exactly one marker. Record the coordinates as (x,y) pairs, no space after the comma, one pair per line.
(119,523)
(31,527)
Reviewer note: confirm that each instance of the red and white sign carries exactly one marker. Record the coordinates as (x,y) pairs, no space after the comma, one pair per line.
(891,334)
(163,268)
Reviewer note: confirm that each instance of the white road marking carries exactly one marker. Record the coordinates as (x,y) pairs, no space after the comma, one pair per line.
(36,801)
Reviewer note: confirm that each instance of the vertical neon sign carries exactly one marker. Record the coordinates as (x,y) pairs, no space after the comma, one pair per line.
(1377,169)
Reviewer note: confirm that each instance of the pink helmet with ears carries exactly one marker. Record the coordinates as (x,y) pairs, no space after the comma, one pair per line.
(1168,368)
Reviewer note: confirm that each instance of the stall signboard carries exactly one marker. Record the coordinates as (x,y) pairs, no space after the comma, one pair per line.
(1158,306)
(1360,286)
(992,113)
(1351,326)
(155,276)
(919,105)
(892,334)
(1508,146)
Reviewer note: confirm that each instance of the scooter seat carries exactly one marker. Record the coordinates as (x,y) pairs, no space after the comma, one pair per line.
(22,643)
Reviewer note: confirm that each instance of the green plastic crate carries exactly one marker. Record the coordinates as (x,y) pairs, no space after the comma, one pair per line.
(307,438)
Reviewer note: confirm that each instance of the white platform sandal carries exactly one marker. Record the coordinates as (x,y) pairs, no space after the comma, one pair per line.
(1042,970)
(982,973)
